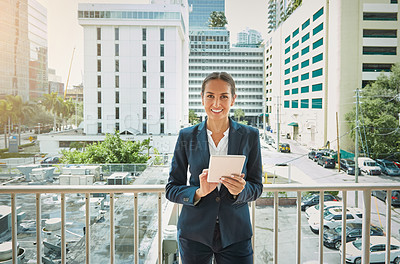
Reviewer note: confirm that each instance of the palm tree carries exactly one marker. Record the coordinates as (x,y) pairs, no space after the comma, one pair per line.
(5,111)
(52,104)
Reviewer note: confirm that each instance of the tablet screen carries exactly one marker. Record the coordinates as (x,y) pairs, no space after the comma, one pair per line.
(224,166)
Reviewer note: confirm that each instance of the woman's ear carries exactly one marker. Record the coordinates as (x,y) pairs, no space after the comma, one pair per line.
(233,100)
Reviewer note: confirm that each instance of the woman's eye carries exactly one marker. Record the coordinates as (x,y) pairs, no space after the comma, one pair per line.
(210,96)
(224,97)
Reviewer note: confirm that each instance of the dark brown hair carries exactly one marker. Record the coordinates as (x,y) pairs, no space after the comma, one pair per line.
(219,76)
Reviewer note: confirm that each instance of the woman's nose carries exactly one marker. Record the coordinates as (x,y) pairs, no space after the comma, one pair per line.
(216,102)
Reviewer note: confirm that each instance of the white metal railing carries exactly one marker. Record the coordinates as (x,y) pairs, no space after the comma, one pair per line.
(159,189)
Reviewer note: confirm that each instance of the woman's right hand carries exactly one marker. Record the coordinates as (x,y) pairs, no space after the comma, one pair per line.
(205,186)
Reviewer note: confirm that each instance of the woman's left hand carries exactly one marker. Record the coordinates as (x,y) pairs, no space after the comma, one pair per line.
(234,183)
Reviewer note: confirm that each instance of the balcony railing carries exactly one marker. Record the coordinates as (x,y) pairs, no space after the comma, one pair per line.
(159,189)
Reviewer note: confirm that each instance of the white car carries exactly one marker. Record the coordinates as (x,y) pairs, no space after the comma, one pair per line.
(333,218)
(327,205)
(377,250)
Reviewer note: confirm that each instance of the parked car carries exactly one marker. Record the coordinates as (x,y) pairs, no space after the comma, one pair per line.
(326,162)
(382,196)
(388,167)
(311,154)
(348,166)
(333,237)
(318,154)
(314,199)
(284,147)
(314,210)
(377,250)
(50,160)
(333,218)
(369,166)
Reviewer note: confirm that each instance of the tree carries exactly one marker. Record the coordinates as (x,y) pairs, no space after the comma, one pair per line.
(217,19)
(238,114)
(52,104)
(5,112)
(193,118)
(379,120)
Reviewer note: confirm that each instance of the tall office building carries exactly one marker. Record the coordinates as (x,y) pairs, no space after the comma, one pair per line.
(23,53)
(201,10)
(249,37)
(318,57)
(135,67)
(276,12)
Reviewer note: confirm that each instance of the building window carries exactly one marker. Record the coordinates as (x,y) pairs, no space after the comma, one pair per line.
(304,89)
(161,50)
(295,79)
(144,113)
(317,73)
(161,97)
(161,66)
(98,49)
(286,104)
(376,67)
(304,103)
(144,51)
(98,33)
(295,90)
(161,112)
(98,112)
(116,81)
(99,65)
(144,66)
(287,50)
(316,103)
(98,81)
(99,97)
(318,28)
(317,58)
(287,81)
(305,37)
(287,60)
(144,129)
(316,87)
(318,14)
(295,45)
(295,67)
(305,63)
(116,112)
(162,82)
(117,127)
(380,33)
(317,43)
(116,31)
(295,32)
(305,50)
(161,128)
(144,96)
(144,82)
(162,34)
(305,76)
(379,16)
(286,92)
(295,103)
(116,49)
(287,71)
(305,24)
(144,34)
(99,128)
(117,97)
(287,39)
(379,50)
(295,56)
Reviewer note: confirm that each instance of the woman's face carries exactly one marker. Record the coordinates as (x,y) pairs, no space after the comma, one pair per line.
(217,99)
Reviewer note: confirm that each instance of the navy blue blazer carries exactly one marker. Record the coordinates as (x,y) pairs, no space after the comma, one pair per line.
(197,222)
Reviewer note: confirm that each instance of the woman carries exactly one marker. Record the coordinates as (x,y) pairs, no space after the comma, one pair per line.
(215,218)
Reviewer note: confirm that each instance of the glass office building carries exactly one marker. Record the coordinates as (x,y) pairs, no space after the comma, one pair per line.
(201,10)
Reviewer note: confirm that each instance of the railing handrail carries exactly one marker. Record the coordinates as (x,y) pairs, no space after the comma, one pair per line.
(155,188)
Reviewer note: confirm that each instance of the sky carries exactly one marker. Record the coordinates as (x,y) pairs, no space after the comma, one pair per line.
(65,34)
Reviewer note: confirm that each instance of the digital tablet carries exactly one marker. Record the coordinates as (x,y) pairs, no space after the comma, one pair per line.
(224,165)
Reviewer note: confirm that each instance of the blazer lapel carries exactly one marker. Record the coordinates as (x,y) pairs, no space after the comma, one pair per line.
(202,144)
(235,138)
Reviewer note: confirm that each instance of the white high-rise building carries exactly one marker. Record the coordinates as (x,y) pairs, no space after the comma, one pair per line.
(136,67)
(319,56)
(249,36)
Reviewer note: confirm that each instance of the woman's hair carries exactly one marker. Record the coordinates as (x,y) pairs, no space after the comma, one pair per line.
(219,76)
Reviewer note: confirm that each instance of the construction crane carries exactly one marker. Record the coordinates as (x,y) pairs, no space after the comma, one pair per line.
(69,72)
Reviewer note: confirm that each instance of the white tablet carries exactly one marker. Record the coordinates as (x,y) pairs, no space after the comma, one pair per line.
(224,165)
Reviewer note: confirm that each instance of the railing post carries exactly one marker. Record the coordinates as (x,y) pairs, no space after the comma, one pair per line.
(38,229)
(298,235)
(388,223)
(63,223)
(159,230)
(112,238)
(276,202)
(136,228)
(344,233)
(87,227)
(366,225)
(14,228)
(321,226)
(253,226)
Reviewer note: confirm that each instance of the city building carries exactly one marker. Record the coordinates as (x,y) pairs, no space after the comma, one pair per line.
(76,93)
(277,10)
(200,11)
(135,73)
(318,57)
(55,83)
(248,37)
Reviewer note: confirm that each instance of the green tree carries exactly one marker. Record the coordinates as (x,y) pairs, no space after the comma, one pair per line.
(217,19)
(52,104)
(238,114)
(5,113)
(379,120)
(112,150)
(193,118)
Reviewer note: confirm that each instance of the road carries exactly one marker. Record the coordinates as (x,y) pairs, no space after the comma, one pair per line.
(313,173)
